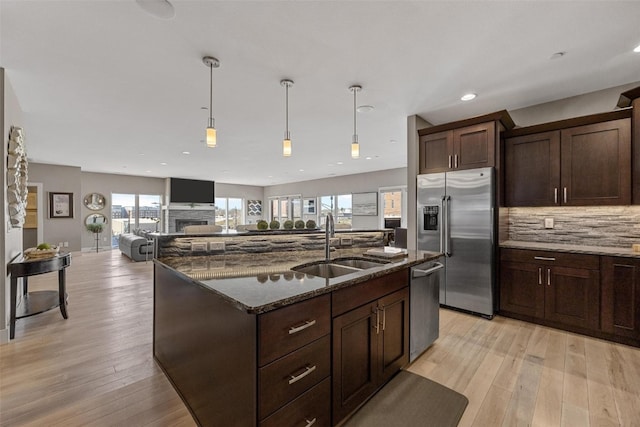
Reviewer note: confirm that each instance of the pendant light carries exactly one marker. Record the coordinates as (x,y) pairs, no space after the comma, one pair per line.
(355,146)
(212,63)
(286,142)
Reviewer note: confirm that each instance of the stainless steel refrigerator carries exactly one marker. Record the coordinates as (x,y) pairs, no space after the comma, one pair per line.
(456,217)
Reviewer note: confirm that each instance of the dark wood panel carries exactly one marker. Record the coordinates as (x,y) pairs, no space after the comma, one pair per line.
(436,151)
(205,344)
(532,170)
(474,146)
(501,116)
(346,299)
(596,164)
(275,337)
(522,288)
(550,258)
(568,123)
(635,150)
(572,296)
(621,296)
(355,358)
(393,341)
(311,364)
(314,404)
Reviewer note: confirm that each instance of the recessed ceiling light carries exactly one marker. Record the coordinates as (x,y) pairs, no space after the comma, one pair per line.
(367,158)
(301,170)
(159,8)
(637,49)
(186,153)
(140,154)
(148,171)
(164,163)
(364,108)
(468,96)
(393,141)
(339,163)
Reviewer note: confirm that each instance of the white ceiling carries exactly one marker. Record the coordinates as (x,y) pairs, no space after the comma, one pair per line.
(110,88)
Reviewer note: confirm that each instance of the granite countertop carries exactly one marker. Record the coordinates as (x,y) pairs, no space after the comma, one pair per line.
(257,283)
(579,249)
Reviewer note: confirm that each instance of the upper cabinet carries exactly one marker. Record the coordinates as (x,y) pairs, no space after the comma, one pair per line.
(576,162)
(466,144)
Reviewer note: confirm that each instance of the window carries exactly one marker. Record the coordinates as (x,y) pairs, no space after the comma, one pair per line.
(339,206)
(229,212)
(393,206)
(283,208)
(132,211)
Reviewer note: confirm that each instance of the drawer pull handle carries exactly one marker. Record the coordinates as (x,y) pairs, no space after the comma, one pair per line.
(555,195)
(539,275)
(548,277)
(296,329)
(544,258)
(310,422)
(307,371)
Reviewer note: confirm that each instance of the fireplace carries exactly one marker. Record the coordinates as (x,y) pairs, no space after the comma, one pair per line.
(180,223)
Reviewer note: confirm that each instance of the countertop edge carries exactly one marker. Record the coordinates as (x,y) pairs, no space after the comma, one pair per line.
(578,249)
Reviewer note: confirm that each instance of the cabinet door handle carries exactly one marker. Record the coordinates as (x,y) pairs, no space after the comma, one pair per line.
(309,423)
(539,275)
(456,161)
(384,318)
(307,371)
(296,329)
(377,325)
(544,258)
(548,277)
(449,161)
(565,194)
(555,195)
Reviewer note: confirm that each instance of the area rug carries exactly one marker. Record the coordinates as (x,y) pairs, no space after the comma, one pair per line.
(411,400)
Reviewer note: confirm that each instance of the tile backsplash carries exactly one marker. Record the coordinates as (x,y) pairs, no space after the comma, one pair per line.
(617,226)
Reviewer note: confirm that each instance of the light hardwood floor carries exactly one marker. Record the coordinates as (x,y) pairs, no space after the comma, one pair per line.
(97,369)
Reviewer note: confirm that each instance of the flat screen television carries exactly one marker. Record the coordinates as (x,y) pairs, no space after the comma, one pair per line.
(191,191)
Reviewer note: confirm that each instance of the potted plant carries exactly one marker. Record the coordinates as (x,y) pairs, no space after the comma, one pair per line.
(96,229)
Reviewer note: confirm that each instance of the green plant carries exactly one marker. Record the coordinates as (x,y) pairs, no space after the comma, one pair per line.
(262,224)
(274,225)
(288,225)
(311,224)
(95,228)
(299,224)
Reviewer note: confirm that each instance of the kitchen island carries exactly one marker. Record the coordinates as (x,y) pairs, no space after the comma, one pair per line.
(248,341)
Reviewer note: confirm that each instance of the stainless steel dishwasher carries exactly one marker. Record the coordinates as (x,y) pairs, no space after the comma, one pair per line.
(424,310)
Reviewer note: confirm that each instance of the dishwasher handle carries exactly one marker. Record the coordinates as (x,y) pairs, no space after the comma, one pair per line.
(421,273)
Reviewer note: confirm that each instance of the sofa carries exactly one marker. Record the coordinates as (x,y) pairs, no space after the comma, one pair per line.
(136,247)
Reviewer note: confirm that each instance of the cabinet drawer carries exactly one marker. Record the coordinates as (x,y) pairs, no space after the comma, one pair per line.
(289,328)
(589,262)
(287,377)
(312,405)
(354,296)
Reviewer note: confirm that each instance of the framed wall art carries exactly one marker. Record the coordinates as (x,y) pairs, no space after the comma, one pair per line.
(254,207)
(60,205)
(364,204)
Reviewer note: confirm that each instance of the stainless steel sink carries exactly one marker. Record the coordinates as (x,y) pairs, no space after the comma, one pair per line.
(323,269)
(358,262)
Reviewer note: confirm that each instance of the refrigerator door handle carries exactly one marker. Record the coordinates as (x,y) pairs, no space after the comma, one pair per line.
(447,240)
(442,223)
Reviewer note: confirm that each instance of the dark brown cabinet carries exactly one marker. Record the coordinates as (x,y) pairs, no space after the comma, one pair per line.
(560,289)
(370,344)
(577,166)
(621,297)
(464,148)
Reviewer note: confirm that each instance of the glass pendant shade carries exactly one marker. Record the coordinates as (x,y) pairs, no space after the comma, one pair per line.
(211,137)
(286,147)
(355,150)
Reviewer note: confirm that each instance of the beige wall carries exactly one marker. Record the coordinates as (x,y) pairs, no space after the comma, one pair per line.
(357,183)
(10,115)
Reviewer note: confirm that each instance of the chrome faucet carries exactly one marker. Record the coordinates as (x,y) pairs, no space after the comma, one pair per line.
(329,232)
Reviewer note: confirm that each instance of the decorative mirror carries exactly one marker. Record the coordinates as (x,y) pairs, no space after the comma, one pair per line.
(95,201)
(16,177)
(96,218)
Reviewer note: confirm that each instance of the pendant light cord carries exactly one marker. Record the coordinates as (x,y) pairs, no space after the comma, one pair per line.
(210,93)
(286,87)
(355,132)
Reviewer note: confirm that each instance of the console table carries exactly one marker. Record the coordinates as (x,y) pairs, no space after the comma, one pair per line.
(37,302)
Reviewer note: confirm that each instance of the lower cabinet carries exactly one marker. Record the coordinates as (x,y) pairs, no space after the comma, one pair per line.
(621,297)
(370,344)
(560,288)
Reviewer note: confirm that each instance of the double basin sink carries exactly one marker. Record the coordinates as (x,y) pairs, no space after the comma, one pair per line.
(337,267)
